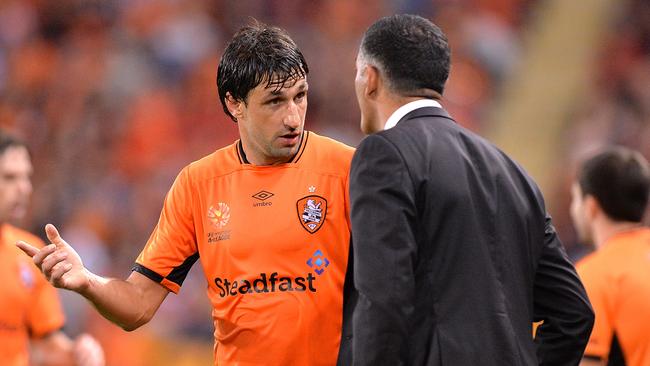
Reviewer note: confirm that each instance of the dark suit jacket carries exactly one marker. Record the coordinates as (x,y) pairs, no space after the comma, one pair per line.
(454,256)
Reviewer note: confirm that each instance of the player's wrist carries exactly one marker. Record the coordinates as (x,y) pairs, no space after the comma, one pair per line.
(88,283)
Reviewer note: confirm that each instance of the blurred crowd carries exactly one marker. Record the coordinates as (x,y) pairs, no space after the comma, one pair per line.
(616,110)
(115,97)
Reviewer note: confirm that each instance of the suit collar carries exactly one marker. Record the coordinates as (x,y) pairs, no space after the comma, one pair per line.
(408,109)
(427,112)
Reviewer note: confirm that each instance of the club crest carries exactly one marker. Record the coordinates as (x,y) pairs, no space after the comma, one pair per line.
(311,212)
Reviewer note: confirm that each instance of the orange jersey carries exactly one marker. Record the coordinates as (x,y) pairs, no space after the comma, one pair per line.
(617,279)
(29,305)
(273,242)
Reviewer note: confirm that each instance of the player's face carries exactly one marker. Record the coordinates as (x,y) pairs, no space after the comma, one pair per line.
(579,214)
(15,183)
(271,122)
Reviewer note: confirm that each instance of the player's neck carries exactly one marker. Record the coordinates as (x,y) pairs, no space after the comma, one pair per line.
(607,229)
(257,158)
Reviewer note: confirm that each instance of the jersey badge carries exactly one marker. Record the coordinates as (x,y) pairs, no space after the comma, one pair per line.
(311,212)
(318,262)
(26,275)
(219,215)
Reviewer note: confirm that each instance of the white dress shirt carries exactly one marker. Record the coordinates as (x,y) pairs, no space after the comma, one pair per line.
(408,108)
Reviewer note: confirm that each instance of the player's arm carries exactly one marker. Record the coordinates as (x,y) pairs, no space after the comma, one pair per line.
(561,302)
(129,304)
(56,349)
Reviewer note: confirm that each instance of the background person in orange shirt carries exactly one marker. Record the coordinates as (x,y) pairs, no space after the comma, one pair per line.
(268,217)
(30,314)
(610,196)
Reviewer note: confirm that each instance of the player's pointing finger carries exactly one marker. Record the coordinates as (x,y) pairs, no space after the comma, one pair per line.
(27,248)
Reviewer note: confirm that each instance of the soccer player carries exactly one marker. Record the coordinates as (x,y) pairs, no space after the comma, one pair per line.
(267,216)
(609,199)
(30,313)
(454,254)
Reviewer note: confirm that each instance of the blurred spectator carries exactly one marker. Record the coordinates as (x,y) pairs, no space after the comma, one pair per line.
(616,111)
(115,97)
(609,198)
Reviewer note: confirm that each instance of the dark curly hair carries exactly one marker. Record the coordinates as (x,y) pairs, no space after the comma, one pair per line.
(258,53)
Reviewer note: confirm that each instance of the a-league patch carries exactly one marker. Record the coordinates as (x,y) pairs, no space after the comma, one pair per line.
(311,212)
(219,215)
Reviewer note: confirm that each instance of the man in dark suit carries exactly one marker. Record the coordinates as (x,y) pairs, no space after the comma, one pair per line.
(454,254)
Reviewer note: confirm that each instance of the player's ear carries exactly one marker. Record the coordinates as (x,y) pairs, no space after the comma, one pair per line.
(235,107)
(592,207)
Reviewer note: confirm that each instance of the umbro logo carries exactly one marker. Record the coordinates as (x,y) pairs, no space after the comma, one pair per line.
(262,196)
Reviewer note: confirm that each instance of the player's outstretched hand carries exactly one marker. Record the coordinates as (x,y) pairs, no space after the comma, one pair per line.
(58,261)
(87,351)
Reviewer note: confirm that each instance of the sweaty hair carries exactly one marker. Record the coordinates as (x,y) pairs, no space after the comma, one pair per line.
(619,179)
(258,53)
(411,51)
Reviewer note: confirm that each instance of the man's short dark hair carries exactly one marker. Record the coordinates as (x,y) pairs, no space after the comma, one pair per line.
(619,179)
(258,53)
(7,141)
(411,50)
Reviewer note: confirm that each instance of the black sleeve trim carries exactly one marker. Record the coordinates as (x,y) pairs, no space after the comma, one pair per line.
(178,274)
(592,357)
(155,277)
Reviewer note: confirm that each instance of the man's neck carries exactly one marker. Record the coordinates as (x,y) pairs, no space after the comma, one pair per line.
(607,229)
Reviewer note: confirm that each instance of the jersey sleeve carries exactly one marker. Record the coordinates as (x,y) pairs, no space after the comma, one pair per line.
(596,286)
(171,249)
